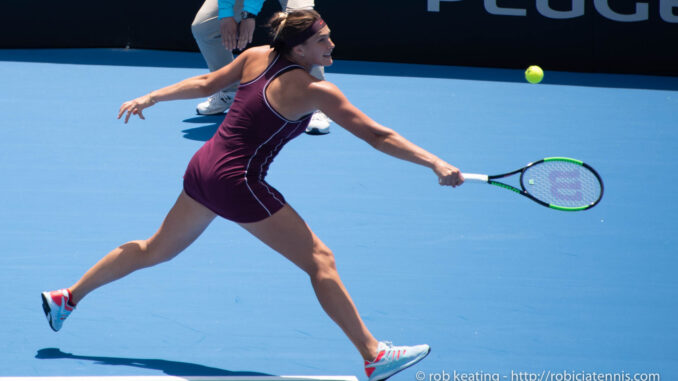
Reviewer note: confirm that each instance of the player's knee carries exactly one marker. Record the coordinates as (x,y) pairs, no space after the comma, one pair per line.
(150,253)
(324,265)
(139,250)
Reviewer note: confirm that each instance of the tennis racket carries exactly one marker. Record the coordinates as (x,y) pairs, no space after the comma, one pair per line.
(559,183)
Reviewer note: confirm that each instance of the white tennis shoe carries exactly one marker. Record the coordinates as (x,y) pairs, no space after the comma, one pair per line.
(56,307)
(216,104)
(319,124)
(391,360)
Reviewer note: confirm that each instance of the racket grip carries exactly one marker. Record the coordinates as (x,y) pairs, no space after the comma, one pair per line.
(475,177)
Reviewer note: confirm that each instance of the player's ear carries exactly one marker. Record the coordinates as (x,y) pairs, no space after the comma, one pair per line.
(299,50)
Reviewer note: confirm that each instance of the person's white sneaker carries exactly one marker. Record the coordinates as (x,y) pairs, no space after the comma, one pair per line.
(216,104)
(57,307)
(391,360)
(319,124)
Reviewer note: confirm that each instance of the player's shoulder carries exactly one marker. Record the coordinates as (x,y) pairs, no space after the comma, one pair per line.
(320,87)
(257,52)
(254,61)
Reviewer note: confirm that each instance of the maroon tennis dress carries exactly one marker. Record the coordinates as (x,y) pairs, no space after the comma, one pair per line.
(227,174)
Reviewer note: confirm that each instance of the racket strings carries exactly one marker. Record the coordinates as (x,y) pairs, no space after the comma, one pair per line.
(562,183)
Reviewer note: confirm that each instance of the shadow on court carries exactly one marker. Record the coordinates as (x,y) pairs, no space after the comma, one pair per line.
(160,58)
(171,368)
(203,133)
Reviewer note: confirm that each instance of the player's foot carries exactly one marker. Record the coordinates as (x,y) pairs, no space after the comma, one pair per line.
(57,307)
(319,125)
(216,104)
(391,360)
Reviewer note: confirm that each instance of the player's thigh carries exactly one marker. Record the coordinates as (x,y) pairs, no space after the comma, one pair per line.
(184,223)
(287,233)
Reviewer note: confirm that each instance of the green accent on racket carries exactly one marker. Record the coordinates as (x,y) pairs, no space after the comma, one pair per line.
(559,183)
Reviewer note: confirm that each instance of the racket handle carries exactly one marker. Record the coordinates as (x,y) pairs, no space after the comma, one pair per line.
(475,177)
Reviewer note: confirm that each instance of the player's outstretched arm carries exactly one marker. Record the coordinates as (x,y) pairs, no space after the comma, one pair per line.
(334,104)
(199,86)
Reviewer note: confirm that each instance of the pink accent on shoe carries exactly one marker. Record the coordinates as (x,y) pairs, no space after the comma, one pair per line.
(57,297)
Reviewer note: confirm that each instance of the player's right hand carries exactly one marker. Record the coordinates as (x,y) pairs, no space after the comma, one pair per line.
(448,174)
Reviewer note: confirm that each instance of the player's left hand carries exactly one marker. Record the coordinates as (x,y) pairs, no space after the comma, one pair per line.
(135,107)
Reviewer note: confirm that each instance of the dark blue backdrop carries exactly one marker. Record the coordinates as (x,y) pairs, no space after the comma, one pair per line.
(576,35)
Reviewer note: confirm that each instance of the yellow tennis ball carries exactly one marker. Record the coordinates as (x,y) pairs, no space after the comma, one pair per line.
(534,74)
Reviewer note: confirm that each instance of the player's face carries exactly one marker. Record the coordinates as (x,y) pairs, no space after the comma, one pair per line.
(319,48)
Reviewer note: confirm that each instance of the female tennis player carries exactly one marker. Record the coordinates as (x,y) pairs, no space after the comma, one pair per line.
(274,102)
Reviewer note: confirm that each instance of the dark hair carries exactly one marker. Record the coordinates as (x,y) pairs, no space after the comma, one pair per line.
(284,27)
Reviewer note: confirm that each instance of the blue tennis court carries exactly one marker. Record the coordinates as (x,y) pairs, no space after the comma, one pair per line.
(499,286)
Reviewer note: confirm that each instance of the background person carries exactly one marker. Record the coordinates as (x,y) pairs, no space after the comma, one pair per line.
(221,26)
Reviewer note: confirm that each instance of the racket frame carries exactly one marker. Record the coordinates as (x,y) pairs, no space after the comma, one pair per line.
(491,179)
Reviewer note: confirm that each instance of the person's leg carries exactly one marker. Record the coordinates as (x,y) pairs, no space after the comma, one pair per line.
(205,28)
(287,233)
(183,224)
(291,5)
(207,35)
